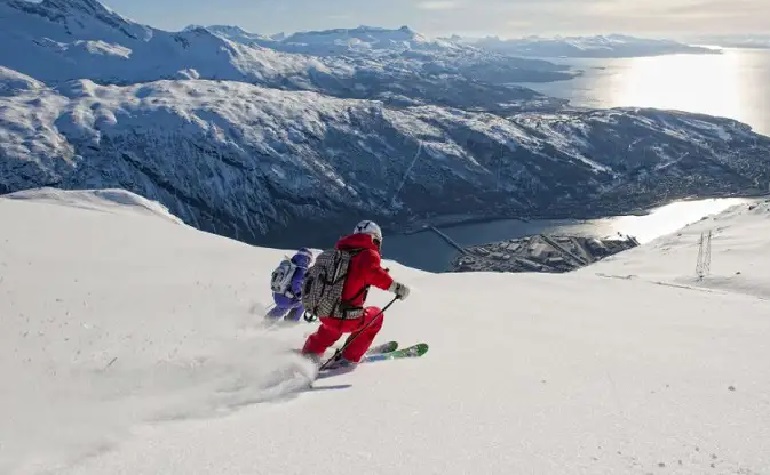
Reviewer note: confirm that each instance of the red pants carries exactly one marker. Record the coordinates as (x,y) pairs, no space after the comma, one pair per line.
(331,330)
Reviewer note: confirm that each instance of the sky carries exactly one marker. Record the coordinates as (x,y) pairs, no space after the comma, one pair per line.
(505,18)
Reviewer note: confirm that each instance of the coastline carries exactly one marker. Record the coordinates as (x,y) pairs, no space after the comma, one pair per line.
(451,221)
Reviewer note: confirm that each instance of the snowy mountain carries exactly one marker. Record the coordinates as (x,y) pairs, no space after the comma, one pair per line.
(361,42)
(600,46)
(381,49)
(60,40)
(133,344)
(255,163)
(56,41)
(236,33)
(364,40)
(257,141)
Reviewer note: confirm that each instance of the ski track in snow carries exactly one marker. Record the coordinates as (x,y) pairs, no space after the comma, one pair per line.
(131,344)
(94,342)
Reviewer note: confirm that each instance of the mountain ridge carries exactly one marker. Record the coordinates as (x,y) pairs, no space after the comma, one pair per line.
(251,162)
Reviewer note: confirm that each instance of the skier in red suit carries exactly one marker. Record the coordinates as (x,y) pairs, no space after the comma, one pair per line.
(365,270)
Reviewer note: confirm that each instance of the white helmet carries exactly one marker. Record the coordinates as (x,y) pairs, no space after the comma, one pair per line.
(369,227)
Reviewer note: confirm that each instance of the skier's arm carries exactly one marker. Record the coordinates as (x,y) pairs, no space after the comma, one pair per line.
(375,274)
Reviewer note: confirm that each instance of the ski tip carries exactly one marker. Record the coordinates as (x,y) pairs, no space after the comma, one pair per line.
(422,348)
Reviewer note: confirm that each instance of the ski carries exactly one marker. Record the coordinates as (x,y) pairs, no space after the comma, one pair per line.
(387,347)
(384,348)
(381,349)
(413,351)
(371,356)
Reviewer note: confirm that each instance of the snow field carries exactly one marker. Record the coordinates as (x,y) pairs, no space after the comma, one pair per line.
(527,373)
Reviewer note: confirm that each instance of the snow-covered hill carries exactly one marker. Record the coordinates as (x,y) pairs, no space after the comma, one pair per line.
(599,46)
(132,344)
(737,264)
(253,163)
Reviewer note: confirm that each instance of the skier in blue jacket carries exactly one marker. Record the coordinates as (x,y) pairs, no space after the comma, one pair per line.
(286,284)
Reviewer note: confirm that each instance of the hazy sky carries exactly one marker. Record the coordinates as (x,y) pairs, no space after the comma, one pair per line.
(475,17)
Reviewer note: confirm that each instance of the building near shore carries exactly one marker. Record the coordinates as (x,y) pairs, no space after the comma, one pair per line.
(540,253)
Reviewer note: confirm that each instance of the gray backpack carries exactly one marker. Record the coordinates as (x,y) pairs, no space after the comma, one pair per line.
(280,279)
(323,284)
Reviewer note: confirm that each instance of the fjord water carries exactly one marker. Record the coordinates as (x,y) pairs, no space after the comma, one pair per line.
(427,251)
(734,84)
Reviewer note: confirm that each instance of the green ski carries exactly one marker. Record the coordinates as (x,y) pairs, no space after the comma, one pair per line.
(413,351)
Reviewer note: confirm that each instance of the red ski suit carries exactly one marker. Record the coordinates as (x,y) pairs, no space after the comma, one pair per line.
(365,270)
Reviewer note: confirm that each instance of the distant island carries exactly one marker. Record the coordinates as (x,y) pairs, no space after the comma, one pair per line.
(757,41)
(599,46)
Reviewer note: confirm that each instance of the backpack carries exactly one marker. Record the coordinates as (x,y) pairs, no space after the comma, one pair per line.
(280,280)
(323,284)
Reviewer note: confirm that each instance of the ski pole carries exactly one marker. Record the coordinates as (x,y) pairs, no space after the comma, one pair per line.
(356,334)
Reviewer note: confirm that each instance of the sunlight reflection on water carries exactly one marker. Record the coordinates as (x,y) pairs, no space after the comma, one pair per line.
(682,82)
(734,84)
(667,219)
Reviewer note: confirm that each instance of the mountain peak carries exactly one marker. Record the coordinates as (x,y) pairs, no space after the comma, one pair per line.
(92,7)
(379,29)
(373,36)
(222,28)
(83,19)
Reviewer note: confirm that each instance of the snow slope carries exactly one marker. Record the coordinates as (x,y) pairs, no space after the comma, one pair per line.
(113,313)
(557,374)
(739,244)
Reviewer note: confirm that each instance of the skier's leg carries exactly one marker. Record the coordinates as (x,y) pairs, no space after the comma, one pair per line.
(328,333)
(296,314)
(361,343)
(277,312)
(282,305)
